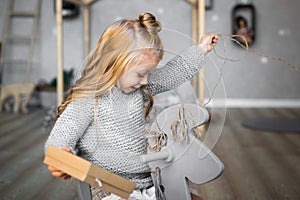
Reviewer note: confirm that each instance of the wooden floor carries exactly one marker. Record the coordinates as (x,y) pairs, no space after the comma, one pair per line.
(258,165)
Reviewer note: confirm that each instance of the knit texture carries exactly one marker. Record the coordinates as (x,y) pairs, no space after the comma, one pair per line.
(111,134)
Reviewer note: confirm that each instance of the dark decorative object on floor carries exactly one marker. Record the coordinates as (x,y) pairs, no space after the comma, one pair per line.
(273,124)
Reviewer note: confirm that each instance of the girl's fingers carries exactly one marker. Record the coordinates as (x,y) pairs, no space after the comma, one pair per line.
(58,174)
(67,149)
(67,177)
(214,39)
(52,169)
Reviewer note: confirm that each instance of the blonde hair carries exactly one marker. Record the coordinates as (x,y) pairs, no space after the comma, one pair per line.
(120,46)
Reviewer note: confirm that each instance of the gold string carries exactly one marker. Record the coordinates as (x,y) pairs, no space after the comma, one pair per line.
(160,139)
(179,128)
(246,47)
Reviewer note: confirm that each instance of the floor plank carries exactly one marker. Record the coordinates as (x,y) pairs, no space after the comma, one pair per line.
(258,164)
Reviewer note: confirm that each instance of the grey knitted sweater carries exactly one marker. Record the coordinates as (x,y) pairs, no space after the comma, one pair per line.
(111,134)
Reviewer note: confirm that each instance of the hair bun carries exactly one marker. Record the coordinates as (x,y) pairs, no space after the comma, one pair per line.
(148,21)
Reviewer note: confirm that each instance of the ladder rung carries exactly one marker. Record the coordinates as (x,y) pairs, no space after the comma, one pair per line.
(22,14)
(18,37)
(15,62)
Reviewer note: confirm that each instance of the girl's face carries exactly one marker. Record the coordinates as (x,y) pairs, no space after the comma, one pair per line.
(137,75)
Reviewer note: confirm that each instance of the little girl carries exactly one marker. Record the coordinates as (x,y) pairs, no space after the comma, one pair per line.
(103,117)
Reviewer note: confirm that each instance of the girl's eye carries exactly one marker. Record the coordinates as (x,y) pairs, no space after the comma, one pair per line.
(140,75)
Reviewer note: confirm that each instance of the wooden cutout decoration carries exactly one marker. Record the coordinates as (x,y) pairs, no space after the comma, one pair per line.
(84,170)
(180,162)
(21,92)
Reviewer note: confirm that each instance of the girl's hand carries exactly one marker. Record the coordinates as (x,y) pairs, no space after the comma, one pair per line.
(58,173)
(208,42)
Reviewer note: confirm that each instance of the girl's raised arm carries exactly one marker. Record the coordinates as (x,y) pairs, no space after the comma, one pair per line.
(182,67)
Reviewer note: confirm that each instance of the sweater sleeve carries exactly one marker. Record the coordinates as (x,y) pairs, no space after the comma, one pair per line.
(71,124)
(177,71)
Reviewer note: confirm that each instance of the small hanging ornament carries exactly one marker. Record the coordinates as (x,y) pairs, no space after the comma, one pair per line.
(179,128)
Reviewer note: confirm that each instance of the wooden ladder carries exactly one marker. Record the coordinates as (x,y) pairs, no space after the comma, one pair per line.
(10,38)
